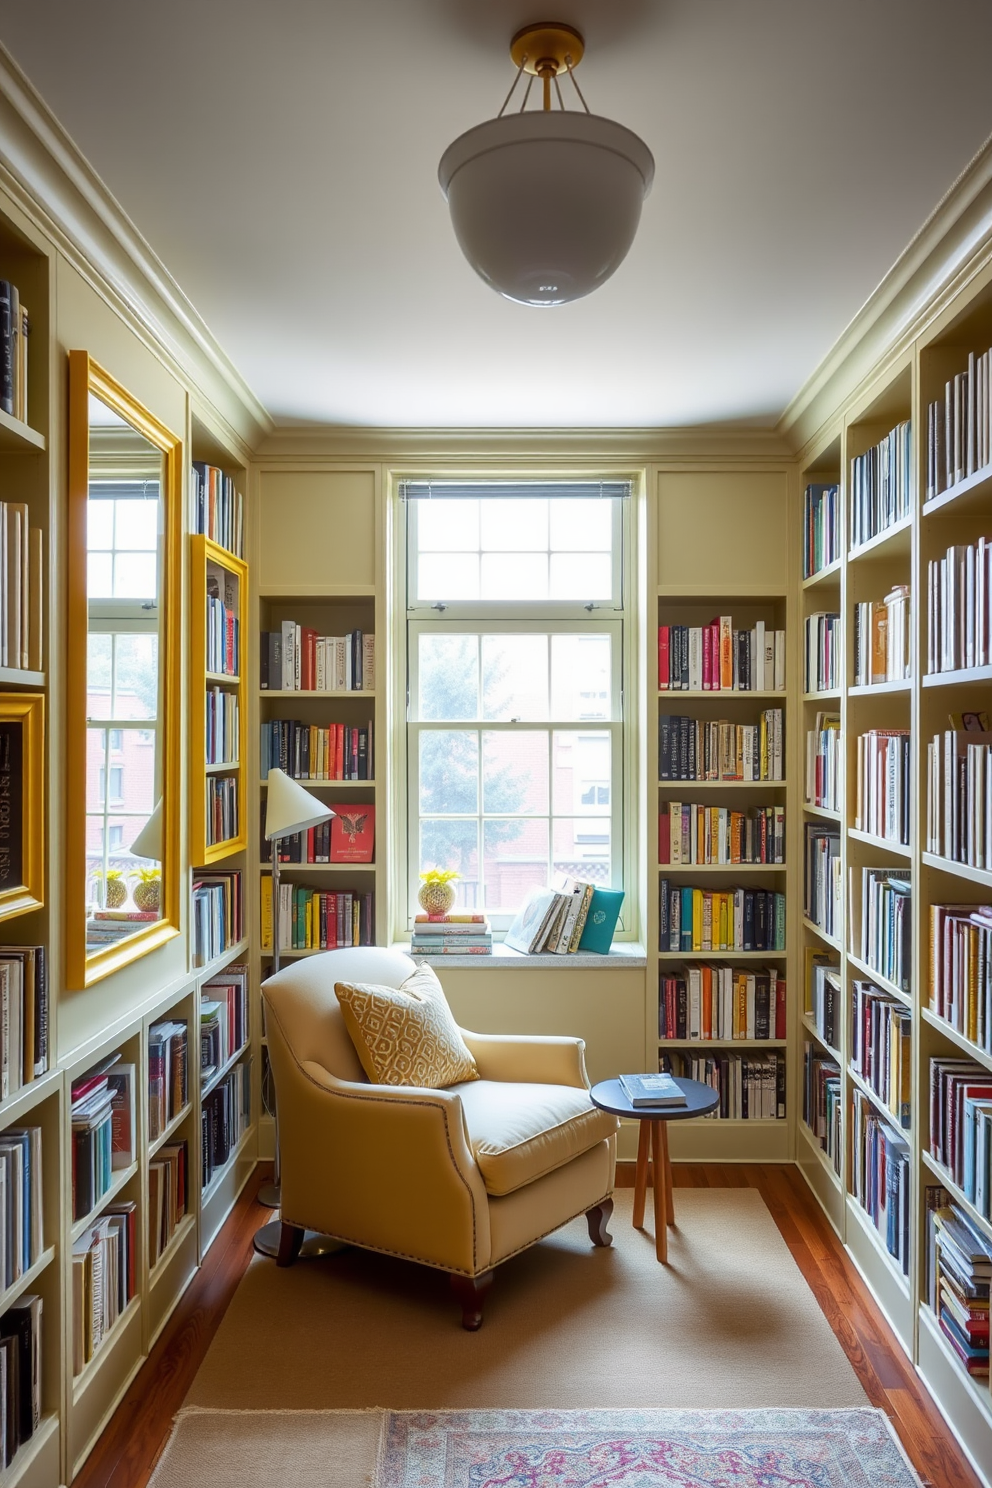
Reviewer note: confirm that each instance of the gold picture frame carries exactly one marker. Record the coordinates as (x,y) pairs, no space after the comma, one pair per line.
(22,802)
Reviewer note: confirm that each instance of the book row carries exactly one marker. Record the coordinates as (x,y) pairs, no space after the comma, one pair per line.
(217,917)
(223,622)
(223,1019)
(20,1374)
(104,1278)
(880,1176)
(573,915)
(225,1116)
(296,659)
(824,995)
(960,956)
(102,1110)
(168,1074)
(715,749)
(821,528)
(823,1102)
(751,1086)
(311,920)
(880,485)
(217,508)
(959,795)
(884,788)
(881,638)
(740,919)
(23,1016)
(881,1030)
(959,607)
(823,899)
(21,588)
(349,837)
(694,833)
(21,1215)
(823,762)
(958,1267)
(886,923)
(958,434)
(15,329)
(168,1174)
(961,1126)
(822,652)
(222,808)
(307,752)
(223,715)
(719,658)
(709,1001)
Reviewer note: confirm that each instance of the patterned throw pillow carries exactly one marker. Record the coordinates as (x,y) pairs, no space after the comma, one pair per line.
(406,1035)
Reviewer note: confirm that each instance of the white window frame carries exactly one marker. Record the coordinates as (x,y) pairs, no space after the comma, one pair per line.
(612,617)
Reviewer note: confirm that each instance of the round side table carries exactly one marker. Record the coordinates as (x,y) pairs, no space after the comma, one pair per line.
(609,1095)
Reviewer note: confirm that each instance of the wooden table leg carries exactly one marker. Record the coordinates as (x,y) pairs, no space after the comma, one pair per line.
(660,1194)
(641,1173)
(666,1160)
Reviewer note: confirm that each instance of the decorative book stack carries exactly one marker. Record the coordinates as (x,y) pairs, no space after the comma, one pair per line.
(451,935)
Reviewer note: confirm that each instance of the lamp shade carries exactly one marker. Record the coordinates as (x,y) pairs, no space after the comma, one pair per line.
(545,205)
(290,808)
(148,843)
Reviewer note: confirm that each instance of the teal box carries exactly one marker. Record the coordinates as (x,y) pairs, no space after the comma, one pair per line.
(601,921)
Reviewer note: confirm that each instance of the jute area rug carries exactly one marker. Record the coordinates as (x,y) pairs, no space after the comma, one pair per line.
(535,1449)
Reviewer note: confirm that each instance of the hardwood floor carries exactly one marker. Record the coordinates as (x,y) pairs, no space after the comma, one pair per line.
(129,1448)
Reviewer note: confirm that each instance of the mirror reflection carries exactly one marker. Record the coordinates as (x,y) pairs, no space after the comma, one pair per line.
(125,550)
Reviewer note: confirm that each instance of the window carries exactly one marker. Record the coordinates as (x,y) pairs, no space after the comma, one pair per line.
(515,653)
(116,784)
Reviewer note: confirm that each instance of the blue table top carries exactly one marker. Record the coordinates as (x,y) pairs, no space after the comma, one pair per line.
(609,1096)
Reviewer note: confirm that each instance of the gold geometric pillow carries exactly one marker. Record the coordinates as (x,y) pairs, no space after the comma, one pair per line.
(406,1035)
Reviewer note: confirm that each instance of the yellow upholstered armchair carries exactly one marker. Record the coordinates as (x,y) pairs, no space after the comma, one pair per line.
(460,1178)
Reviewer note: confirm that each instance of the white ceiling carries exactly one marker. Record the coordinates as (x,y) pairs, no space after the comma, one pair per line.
(281,159)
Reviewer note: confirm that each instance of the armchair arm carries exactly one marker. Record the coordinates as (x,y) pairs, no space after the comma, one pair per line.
(539,1059)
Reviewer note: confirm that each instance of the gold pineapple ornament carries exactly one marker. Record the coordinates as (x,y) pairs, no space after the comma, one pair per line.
(437,893)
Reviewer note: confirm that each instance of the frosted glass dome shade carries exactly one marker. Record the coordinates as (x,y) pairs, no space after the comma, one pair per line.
(545,205)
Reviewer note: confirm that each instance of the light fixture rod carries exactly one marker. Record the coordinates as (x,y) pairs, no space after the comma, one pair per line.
(561,101)
(568,65)
(530,84)
(509,95)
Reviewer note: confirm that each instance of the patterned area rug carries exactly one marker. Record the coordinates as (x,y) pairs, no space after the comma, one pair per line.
(642,1449)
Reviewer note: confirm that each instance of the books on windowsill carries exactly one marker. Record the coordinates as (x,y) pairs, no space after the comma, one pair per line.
(451,935)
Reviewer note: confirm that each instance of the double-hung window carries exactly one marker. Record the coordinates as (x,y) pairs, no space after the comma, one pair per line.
(515,675)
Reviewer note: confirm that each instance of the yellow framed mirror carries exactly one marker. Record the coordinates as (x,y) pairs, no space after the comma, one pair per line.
(123,704)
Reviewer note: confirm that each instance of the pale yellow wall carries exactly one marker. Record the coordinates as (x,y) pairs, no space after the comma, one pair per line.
(317,529)
(720,530)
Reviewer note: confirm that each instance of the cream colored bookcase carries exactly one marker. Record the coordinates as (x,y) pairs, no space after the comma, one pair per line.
(922,704)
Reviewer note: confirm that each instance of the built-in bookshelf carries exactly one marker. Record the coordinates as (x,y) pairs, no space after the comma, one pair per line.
(896,994)
(218,702)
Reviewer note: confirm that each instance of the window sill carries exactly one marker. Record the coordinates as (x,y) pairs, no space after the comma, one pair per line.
(625,956)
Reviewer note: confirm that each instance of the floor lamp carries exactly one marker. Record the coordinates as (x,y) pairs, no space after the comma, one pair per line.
(288,809)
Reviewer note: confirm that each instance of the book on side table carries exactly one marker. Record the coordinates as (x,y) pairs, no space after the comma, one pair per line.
(652,1090)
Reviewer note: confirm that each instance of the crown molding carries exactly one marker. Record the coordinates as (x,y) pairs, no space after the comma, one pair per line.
(949,249)
(57,186)
(716,444)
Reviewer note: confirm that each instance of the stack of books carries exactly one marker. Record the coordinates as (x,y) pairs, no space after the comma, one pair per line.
(103,1130)
(451,935)
(822,1101)
(104,1263)
(223,1019)
(958,1275)
(217,920)
(20,1375)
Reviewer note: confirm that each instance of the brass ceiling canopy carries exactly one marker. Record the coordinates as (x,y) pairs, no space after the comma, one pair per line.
(547,48)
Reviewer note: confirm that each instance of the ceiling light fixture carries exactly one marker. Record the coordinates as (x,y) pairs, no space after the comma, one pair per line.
(545,204)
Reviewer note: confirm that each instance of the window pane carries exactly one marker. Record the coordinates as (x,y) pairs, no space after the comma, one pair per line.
(447,526)
(136,676)
(515,526)
(515,772)
(582,848)
(454,845)
(513,576)
(99,576)
(137,524)
(449,771)
(448,576)
(514,677)
(448,677)
(580,676)
(99,654)
(96,747)
(135,575)
(581,767)
(516,861)
(99,524)
(581,576)
(582,526)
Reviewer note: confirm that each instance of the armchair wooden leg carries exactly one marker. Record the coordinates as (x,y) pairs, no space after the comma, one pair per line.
(470,1293)
(597,1219)
(290,1239)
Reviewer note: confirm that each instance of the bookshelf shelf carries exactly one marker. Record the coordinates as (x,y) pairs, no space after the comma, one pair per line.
(667,869)
(82,1381)
(880,689)
(968,495)
(286,869)
(38,1457)
(822,934)
(306,693)
(828,575)
(894,541)
(737,694)
(119,1184)
(829,694)
(981,876)
(184,1228)
(961,1040)
(225,1069)
(16,435)
(812,1141)
(943,1177)
(25,1282)
(222,1173)
(725,1043)
(225,767)
(876,1100)
(963,677)
(211,968)
(889,1263)
(732,956)
(169,1131)
(900,849)
(222,679)
(810,1027)
(17,1106)
(966,1400)
(357,785)
(879,980)
(825,813)
(722,785)
(20,676)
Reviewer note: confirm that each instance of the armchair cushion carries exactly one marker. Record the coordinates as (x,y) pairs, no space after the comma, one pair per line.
(406,1035)
(519,1132)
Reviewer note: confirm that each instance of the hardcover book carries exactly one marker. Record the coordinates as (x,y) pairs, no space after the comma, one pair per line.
(652,1090)
(353,834)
